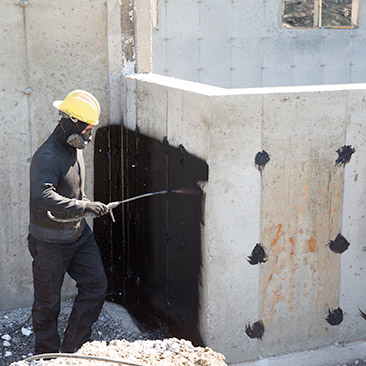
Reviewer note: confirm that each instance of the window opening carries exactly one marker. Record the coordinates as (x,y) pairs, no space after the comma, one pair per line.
(320,13)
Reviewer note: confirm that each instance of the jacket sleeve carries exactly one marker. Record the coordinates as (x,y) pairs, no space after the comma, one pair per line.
(44,177)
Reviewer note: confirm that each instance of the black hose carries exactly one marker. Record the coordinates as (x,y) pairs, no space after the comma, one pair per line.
(83,357)
(20,326)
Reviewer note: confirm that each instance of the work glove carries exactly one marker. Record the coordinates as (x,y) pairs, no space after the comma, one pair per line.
(97,209)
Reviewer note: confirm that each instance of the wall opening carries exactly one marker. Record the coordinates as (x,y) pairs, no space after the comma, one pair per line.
(152,254)
(320,13)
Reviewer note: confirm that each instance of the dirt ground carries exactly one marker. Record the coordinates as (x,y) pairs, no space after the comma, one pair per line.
(115,335)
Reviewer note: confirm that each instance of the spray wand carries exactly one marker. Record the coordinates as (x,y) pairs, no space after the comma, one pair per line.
(110,206)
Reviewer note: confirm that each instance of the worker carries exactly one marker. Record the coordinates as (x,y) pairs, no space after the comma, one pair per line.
(57,177)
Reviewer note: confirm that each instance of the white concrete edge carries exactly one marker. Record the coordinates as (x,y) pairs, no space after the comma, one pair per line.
(114,61)
(143,35)
(327,356)
(209,90)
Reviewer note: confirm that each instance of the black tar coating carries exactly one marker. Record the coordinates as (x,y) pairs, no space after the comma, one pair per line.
(345,153)
(183,152)
(137,130)
(256,330)
(261,159)
(335,317)
(339,245)
(362,313)
(258,255)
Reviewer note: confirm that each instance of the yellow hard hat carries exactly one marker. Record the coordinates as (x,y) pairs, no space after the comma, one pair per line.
(81,105)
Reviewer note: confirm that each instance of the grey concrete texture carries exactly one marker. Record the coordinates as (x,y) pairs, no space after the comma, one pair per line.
(295,206)
(48,50)
(301,212)
(241,44)
(352,283)
(338,354)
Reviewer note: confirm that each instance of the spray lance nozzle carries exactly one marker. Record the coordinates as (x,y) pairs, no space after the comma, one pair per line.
(115,204)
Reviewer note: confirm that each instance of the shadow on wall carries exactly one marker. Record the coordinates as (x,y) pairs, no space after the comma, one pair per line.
(152,254)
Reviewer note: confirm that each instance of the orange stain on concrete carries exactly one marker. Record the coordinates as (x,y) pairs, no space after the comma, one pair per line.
(312,245)
(306,192)
(275,240)
(292,241)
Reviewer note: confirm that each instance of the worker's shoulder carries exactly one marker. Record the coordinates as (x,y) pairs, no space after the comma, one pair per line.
(47,152)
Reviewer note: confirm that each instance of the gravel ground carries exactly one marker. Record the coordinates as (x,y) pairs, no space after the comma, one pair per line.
(17,338)
(115,335)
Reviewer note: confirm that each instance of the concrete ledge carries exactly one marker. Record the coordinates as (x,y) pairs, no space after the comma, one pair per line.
(210,90)
(327,356)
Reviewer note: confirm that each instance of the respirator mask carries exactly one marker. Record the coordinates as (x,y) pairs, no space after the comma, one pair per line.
(76,139)
(79,140)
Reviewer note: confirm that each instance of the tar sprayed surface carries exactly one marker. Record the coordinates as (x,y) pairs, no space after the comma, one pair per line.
(152,254)
(256,330)
(339,245)
(344,154)
(258,255)
(335,317)
(261,159)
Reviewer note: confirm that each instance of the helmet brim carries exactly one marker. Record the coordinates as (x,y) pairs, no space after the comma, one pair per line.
(57,104)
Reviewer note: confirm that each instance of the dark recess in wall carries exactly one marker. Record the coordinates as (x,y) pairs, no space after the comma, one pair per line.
(152,254)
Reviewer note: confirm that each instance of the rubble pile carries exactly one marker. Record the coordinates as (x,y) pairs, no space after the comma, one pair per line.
(17,337)
(167,352)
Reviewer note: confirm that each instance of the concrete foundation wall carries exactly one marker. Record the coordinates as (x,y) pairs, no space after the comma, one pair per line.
(298,203)
(242,44)
(48,49)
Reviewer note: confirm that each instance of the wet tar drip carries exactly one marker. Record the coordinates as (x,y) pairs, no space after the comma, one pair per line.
(258,255)
(339,245)
(137,130)
(182,150)
(256,330)
(335,317)
(362,313)
(345,153)
(261,159)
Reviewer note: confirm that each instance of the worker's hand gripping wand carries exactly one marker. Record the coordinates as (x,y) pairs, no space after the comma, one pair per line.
(111,206)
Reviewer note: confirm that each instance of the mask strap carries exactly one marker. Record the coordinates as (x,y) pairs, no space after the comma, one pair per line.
(63,129)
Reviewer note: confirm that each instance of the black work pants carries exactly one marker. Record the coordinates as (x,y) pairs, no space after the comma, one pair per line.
(82,261)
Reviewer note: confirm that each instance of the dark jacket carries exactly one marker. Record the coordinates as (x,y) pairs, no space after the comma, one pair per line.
(57,178)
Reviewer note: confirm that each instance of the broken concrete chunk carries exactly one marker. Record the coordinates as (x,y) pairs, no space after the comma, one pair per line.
(6,337)
(27,332)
